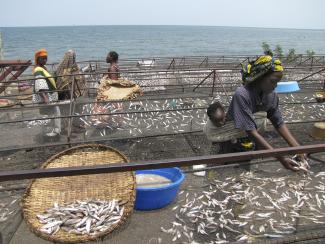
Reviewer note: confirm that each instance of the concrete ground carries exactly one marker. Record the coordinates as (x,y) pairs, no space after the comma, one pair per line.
(142,227)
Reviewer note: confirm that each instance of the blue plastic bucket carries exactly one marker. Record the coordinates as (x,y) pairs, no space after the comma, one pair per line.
(287,86)
(155,198)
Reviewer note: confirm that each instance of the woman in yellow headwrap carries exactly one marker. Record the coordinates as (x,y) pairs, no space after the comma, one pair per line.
(260,78)
(45,91)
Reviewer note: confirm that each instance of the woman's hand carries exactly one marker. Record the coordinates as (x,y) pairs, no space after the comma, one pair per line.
(302,156)
(285,161)
(289,164)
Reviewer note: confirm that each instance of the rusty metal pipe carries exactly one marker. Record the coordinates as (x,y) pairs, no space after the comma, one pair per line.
(178,162)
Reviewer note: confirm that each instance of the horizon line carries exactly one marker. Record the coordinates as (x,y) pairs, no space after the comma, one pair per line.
(230,26)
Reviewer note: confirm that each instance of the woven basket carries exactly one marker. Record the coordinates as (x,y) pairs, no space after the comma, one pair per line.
(121,89)
(42,193)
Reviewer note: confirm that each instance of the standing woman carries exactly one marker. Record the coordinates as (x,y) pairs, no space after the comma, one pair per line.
(45,91)
(113,70)
(260,78)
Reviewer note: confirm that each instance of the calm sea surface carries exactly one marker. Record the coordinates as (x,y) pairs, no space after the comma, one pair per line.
(93,42)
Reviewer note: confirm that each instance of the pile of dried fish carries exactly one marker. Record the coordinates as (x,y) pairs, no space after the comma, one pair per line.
(178,115)
(302,112)
(33,123)
(8,209)
(249,206)
(148,81)
(146,117)
(82,217)
(301,164)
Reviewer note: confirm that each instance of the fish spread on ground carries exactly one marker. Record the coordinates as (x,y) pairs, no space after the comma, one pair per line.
(249,206)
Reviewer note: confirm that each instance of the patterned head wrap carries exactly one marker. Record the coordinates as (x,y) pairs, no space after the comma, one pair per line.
(259,67)
(40,53)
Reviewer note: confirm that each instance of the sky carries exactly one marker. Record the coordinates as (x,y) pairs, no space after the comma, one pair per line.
(300,14)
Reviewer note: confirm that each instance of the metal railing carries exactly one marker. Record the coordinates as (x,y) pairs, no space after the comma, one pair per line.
(157,164)
(204,84)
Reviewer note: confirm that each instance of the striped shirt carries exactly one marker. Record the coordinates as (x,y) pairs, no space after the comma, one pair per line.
(247,101)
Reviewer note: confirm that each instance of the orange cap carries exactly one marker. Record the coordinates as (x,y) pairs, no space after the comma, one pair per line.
(40,53)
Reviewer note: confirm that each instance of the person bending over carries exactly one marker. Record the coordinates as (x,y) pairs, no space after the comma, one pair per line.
(260,78)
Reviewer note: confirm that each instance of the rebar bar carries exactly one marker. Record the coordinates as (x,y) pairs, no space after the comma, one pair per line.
(156,164)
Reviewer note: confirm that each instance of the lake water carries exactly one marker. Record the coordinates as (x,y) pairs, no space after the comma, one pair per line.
(94,42)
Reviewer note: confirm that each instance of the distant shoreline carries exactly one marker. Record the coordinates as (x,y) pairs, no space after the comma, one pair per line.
(204,26)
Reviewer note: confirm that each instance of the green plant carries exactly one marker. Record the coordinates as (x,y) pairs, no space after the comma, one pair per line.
(291,54)
(310,53)
(278,51)
(266,48)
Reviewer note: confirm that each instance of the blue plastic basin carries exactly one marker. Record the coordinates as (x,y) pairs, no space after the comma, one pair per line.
(155,198)
(287,86)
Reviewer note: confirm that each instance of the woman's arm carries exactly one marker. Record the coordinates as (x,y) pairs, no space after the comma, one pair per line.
(259,139)
(262,143)
(45,96)
(286,134)
(274,115)
(284,131)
